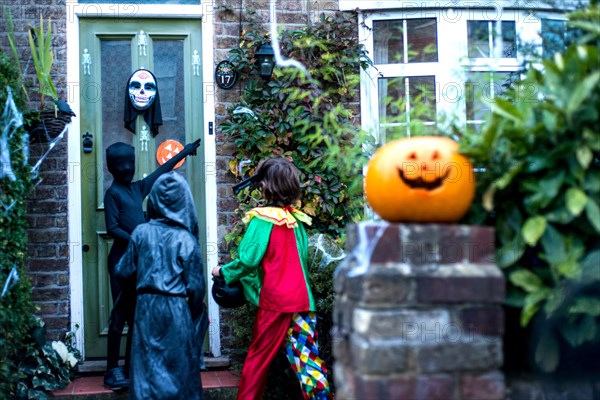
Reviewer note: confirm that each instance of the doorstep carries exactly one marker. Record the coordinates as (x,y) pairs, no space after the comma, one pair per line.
(96,366)
(93,385)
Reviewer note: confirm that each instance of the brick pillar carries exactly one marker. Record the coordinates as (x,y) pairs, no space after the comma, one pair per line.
(418,314)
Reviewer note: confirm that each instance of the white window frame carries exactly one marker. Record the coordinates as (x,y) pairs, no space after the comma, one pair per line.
(450,71)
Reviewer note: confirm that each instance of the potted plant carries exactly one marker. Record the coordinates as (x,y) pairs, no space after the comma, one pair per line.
(52,120)
(42,52)
(47,120)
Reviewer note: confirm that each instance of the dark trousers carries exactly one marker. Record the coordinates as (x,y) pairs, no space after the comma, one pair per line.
(122,312)
(123,294)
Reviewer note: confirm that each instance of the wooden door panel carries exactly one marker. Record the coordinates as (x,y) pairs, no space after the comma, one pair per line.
(114,53)
(104,298)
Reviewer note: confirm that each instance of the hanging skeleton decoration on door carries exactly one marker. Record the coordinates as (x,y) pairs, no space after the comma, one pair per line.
(141,97)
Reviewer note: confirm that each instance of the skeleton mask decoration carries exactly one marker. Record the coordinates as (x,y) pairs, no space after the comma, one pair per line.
(142,89)
(142,97)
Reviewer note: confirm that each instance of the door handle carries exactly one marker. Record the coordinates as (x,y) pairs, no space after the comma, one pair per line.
(88,142)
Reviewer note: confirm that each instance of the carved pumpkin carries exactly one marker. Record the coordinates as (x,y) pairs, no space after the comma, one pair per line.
(420,179)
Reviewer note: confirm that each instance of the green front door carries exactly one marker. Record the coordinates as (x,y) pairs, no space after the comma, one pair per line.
(110,50)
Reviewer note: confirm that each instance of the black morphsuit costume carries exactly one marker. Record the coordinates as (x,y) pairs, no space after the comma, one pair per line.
(123,213)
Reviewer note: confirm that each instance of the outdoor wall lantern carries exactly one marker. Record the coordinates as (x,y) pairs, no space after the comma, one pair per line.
(265,60)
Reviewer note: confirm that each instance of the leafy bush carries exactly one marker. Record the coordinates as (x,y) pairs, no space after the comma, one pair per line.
(44,366)
(541,190)
(303,117)
(17,307)
(305,120)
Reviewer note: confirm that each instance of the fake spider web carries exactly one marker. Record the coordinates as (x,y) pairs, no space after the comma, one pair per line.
(323,251)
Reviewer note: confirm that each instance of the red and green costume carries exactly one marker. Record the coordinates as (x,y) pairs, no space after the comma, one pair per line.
(273,267)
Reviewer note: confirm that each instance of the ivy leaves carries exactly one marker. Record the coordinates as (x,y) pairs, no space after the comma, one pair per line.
(305,120)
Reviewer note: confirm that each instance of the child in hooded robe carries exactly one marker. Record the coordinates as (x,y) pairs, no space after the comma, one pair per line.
(163,259)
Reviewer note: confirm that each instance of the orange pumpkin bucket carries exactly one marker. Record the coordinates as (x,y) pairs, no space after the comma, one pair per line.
(167,150)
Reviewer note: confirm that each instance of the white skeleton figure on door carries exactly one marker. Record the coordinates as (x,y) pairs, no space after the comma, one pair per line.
(142,43)
(86,61)
(196,63)
(144,138)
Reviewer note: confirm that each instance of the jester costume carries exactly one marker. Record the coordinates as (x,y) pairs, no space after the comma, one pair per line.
(273,268)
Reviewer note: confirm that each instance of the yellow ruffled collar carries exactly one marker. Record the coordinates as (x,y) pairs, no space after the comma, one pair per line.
(278,216)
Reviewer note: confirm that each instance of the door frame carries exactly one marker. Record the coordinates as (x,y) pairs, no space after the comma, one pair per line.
(204,12)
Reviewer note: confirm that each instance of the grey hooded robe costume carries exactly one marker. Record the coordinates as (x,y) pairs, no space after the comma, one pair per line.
(163,257)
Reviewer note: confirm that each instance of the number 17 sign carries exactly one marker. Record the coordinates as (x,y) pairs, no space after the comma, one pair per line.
(225,74)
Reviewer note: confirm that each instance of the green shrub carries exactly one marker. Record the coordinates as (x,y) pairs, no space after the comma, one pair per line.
(541,190)
(43,366)
(305,118)
(16,308)
(28,365)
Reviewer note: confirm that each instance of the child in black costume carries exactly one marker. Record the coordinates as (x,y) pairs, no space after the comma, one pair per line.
(123,212)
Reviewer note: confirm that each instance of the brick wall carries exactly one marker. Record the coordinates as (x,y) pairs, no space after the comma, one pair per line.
(48,241)
(419,315)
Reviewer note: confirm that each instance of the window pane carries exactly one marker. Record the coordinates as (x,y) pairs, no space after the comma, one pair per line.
(422,97)
(389,38)
(169,72)
(480,45)
(553,37)
(476,89)
(509,38)
(115,63)
(478,33)
(392,100)
(481,89)
(407,105)
(422,40)
(388,42)
(390,132)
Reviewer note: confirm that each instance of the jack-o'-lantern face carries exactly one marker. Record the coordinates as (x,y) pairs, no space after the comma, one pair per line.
(420,179)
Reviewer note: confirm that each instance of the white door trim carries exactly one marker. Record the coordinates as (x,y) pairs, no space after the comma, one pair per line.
(74,12)
(74,180)
(210,172)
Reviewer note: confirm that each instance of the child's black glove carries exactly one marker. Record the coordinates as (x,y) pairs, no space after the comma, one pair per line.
(190,148)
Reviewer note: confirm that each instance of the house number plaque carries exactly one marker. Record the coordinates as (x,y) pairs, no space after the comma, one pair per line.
(225,75)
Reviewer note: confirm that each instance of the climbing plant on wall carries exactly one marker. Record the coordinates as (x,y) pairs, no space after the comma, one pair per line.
(306,119)
(16,305)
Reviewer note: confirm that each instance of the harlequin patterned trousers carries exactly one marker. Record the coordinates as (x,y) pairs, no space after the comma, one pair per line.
(296,332)
(302,351)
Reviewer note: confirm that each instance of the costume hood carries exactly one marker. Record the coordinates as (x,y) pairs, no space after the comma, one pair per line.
(170,201)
